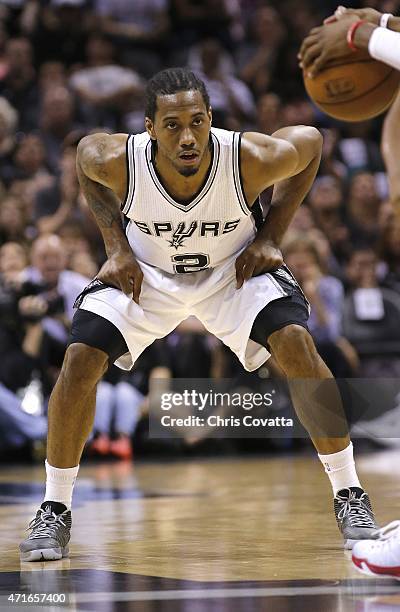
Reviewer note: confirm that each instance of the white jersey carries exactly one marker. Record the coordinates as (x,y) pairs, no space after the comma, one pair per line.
(206,232)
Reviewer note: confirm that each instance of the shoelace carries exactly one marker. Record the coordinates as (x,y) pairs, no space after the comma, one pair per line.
(358,513)
(45,525)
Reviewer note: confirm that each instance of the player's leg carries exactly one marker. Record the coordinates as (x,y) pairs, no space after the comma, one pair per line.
(94,343)
(295,351)
(318,405)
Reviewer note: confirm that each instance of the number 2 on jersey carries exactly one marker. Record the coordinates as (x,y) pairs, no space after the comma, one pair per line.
(188,262)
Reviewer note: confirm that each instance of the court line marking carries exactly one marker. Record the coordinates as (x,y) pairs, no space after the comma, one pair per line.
(234,593)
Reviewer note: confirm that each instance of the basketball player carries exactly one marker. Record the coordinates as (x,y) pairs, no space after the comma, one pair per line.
(379,35)
(191,247)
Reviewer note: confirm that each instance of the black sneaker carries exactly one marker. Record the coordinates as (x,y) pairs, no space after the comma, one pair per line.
(50,534)
(354,516)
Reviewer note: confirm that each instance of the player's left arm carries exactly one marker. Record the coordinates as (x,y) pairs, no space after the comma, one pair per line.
(289,160)
(391,152)
(330,41)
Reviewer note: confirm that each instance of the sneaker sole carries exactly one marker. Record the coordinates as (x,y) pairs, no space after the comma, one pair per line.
(374,570)
(44,554)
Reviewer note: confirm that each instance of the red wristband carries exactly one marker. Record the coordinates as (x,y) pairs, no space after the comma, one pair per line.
(351,33)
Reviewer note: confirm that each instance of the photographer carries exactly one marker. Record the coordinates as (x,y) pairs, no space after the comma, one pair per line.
(21,335)
(58,285)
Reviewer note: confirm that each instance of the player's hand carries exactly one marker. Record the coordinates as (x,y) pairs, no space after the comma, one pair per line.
(325,44)
(123,272)
(257,258)
(367,14)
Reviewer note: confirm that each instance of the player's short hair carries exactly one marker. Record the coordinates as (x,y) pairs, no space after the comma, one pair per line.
(170,81)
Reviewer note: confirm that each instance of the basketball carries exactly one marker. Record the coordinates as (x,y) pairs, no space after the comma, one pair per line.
(357,90)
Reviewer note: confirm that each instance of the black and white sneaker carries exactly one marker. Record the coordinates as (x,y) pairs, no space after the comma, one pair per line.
(354,515)
(50,534)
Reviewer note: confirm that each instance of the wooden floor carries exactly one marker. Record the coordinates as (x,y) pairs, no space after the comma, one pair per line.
(213,535)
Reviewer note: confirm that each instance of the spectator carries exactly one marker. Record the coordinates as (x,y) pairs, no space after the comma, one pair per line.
(363,209)
(21,334)
(330,162)
(8,124)
(138,28)
(191,22)
(13,220)
(104,89)
(325,202)
(18,84)
(358,149)
(259,58)
(117,410)
(63,24)
(57,120)
(325,294)
(371,316)
(269,115)
(51,74)
(58,203)
(231,100)
(60,286)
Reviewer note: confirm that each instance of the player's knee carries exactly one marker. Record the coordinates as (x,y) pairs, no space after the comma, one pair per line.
(293,342)
(84,364)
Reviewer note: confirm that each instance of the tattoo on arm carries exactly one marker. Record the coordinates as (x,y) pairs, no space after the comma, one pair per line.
(102,203)
(101,200)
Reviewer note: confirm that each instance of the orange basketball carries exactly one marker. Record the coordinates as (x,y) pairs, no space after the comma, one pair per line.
(355,90)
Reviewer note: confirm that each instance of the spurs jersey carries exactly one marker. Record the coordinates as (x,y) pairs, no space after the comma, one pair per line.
(187,237)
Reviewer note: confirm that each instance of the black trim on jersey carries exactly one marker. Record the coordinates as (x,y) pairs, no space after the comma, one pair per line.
(236,174)
(187,205)
(257,213)
(123,203)
(240,172)
(131,173)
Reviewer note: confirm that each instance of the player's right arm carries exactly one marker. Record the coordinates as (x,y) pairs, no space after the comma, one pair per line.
(101,169)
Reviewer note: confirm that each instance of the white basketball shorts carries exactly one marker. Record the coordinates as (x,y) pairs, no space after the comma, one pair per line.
(168,299)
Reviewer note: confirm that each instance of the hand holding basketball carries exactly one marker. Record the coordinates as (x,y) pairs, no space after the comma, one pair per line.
(345,83)
(326,44)
(367,14)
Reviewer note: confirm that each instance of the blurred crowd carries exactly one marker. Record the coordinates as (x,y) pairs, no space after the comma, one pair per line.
(72,67)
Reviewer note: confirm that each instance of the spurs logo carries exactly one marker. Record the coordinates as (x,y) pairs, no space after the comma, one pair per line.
(339,87)
(179,235)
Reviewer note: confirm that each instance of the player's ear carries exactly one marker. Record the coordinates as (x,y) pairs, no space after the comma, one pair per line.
(209,113)
(150,128)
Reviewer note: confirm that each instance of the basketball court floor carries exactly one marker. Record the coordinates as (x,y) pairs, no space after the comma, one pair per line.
(225,536)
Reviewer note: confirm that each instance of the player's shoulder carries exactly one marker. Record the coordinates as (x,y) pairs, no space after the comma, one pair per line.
(260,150)
(101,147)
(101,156)
(258,144)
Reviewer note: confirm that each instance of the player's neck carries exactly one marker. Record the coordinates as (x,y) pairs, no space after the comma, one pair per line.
(182,187)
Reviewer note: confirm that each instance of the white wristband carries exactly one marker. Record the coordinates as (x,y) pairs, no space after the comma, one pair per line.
(384,46)
(385,19)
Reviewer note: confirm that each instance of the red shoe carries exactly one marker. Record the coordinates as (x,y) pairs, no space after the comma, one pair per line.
(122,448)
(100,445)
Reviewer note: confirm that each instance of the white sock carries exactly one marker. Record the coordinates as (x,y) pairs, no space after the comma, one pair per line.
(60,484)
(341,469)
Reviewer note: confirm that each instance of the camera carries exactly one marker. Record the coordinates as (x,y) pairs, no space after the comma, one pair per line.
(10,297)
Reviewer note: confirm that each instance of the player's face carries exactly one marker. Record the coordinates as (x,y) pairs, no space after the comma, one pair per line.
(181,128)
